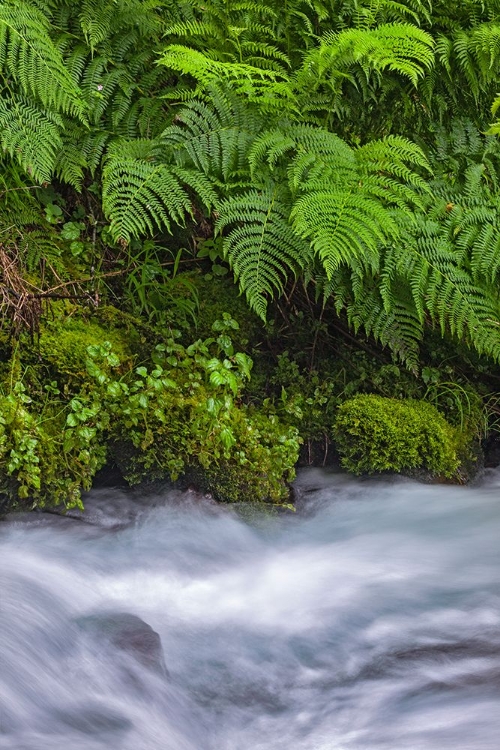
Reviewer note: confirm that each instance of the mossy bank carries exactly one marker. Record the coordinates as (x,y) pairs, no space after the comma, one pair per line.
(102,387)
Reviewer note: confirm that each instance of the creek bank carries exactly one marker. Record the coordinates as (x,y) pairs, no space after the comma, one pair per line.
(232,414)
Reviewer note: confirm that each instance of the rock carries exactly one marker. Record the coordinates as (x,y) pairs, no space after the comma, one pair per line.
(129,634)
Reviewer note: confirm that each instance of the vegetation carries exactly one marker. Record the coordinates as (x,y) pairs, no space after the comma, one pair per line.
(333,162)
(380,434)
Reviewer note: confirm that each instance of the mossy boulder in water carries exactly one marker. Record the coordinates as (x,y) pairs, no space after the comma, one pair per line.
(376,434)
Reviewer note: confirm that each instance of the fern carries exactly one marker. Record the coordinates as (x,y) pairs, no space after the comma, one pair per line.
(39,246)
(441,289)
(141,193)
(396,47)
(233,32)
(310,147)
(18,205)
(96,19)
(214,137)
(397,327)
(343,227)
(261,247)
(268,88)
(346,219)
(29,57)
(30,136)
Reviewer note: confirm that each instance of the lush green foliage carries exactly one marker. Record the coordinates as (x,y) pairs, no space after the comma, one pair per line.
(181,415)
(49,449)
(332,149)
(268,144)
(376,434)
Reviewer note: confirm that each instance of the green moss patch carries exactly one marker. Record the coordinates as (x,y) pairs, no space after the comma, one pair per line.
(376,434)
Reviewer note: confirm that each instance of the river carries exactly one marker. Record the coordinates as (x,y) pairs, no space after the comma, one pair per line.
(369,620)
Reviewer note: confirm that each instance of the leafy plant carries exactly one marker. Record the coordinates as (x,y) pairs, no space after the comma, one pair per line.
(184,415)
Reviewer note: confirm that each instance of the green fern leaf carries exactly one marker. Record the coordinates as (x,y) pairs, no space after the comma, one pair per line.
(139,194)
(213,137)
(401,48)
(29,56)
(142,193)
(343,226)
(260,245)
(30,136)
(268,88)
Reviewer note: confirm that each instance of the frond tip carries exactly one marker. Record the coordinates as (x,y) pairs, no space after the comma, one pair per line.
(28,54)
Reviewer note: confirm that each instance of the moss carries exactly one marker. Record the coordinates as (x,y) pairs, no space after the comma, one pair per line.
(64,341)
(42,462)
(375,434)
(263,463)
(179,440)
(186,416)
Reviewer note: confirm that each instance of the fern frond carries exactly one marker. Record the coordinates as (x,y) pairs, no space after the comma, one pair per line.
(484,244)
(444,291)
(93,143)
(475,231)
(18,206)
(29,56)
(260,246)
(258,53)
(387,168)
(193,28)
(141,192)
(398,328)
(343,226)
(31,136)
(268,88)
(402,48)
(313,147)
(36,246)
(70,164)
(393,153)
(96,20)
(214,137)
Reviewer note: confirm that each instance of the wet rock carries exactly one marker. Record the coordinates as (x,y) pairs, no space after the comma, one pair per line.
(129,634)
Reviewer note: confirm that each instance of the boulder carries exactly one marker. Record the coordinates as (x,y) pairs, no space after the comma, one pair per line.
(129,634)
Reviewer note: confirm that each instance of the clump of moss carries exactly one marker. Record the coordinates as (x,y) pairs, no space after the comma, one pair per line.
(46,455)
(186,418)
(64,341)
(376,434)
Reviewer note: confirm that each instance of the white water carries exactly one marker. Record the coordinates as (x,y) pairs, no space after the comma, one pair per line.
(369,622)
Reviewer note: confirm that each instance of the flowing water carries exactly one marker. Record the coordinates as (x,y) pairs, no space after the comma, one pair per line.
(368,621)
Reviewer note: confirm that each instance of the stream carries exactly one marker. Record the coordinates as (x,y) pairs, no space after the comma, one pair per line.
(368,620)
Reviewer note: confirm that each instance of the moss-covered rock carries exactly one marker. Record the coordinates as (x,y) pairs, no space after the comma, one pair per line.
(174,425)
(376,434)
(64,340)
(262,464)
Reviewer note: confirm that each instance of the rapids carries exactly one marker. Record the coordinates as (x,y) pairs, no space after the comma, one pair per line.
(369,620)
